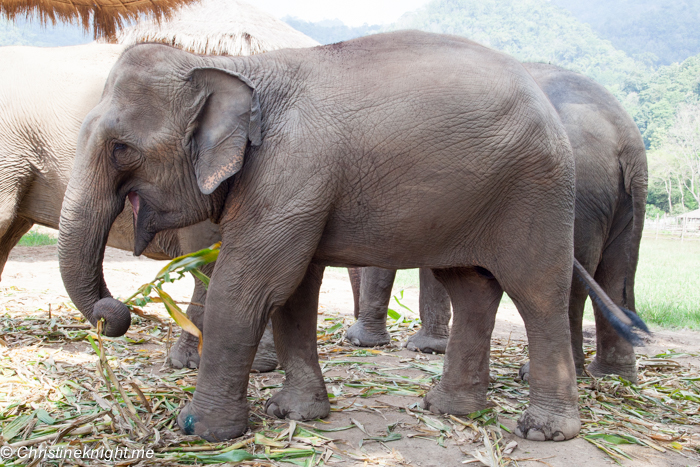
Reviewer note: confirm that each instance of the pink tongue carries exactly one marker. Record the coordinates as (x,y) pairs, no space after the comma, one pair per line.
(134,200)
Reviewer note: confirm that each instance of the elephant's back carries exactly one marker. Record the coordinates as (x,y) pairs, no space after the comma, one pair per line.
(45,92)
(427,131)
(35,80)
(607,146)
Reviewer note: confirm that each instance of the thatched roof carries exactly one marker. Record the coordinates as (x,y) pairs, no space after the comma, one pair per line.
(102,17)
(690,215)
(220,27)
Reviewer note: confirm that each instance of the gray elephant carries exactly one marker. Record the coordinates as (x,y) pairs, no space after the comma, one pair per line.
(611,187)
(45,93)
(396,150)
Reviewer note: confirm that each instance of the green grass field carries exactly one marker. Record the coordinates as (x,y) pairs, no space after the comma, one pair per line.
(667,287)
(34,238)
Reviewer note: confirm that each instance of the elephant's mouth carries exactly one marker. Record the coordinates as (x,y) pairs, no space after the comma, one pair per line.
(142,236)
(135,204)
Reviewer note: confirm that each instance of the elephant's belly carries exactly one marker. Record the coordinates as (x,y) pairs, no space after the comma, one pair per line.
(427,243)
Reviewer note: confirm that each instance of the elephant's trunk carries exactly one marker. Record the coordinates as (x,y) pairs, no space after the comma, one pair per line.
(83,231)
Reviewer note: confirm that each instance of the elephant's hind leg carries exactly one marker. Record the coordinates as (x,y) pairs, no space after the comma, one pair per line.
(184,353)
(614,354)
(541,297)
(434,307)
(374,296)
(304,395)
(475,298)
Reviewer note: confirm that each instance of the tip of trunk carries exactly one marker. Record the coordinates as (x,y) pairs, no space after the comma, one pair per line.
(117,316)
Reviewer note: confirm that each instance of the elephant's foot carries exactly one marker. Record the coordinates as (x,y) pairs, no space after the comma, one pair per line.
(362,335)
(537,424)
(212,425)
(422,341)
(627,370)
(265,357)
(524,372)
(295,404)
(184,353)
(442,401)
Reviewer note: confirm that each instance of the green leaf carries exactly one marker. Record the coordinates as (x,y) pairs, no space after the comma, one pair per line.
(94,345)
(385,439)
(237,455)
(179,317)
(614,439)
(44,416)
(393,314)
(197,274)
(13,428)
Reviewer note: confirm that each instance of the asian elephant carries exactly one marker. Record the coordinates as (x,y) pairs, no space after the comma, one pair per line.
(611,188)
(397,150)
(45,93)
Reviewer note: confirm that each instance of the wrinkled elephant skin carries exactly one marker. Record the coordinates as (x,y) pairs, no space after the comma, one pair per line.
(45,93)
(311,157)
(611,189)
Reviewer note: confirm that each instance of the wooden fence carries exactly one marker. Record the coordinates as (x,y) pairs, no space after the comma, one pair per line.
(664,227)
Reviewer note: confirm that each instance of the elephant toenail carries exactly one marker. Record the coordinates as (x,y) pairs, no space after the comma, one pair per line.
(558,436)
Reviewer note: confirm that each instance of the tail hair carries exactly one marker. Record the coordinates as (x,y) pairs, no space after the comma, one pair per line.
(624,321)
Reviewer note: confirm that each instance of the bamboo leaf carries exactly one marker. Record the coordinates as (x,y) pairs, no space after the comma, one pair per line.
(179,317)
(197,274)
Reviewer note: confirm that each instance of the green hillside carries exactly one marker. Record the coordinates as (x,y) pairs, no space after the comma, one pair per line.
(655,31)
(530,30)
(654,103)
(330,31)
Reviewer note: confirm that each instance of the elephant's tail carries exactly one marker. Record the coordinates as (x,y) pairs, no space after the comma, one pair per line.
(622,320)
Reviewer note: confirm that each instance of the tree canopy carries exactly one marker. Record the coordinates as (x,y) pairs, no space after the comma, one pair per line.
(658,32)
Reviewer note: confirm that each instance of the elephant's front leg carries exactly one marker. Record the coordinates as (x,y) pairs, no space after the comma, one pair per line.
(237,311)
(374,296)
(184,352)
(465,380)
(304,395)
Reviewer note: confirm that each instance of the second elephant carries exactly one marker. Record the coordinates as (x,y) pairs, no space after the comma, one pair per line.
(611,188)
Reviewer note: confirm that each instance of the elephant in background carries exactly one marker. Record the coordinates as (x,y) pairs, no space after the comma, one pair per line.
(346,141)
(611,189)
(45,93)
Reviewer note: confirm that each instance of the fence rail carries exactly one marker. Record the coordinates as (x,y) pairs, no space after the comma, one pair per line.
(682,228)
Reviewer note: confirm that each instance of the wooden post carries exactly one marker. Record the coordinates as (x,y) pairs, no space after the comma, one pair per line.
(657,226)
(685,223)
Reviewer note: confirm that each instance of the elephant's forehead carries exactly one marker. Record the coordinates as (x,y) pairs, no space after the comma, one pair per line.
(134,124)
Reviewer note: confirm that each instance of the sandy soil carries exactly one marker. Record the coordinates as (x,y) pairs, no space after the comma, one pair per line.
(31,282)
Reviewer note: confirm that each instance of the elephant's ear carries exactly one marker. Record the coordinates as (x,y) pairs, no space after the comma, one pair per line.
(225,116)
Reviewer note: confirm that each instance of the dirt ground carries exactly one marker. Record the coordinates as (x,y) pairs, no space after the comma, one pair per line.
(31,284)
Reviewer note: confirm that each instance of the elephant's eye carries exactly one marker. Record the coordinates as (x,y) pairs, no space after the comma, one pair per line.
(125,157)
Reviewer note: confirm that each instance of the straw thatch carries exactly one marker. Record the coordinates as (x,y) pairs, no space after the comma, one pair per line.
(102,17)
(220,27)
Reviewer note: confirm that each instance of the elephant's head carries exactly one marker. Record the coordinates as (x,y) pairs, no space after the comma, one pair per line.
(170,129)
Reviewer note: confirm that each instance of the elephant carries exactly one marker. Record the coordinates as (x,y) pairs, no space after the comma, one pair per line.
(45,93)
(611,191)
(308,158)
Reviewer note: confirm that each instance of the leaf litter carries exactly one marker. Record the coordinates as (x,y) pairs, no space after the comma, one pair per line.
(63,385)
